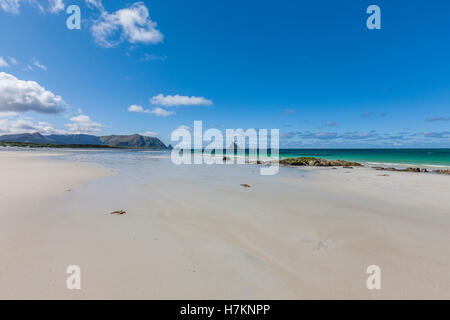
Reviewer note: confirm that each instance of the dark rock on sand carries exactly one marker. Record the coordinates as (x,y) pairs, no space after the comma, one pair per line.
(245,185)
(440,171)
(119,212)
(318,162)
(422,170)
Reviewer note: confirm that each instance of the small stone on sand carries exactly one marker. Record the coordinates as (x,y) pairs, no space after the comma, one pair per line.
(118,212)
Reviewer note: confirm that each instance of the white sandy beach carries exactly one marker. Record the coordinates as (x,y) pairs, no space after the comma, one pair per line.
(192,232)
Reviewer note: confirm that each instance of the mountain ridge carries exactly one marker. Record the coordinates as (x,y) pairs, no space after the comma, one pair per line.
(135,141)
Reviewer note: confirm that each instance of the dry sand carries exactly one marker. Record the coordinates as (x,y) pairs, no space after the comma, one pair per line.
(195,233)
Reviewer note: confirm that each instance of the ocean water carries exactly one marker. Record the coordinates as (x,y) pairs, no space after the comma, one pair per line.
(393,157)
(386,157)
(422,157)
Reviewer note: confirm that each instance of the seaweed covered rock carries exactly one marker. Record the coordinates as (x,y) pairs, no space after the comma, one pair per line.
(318,162)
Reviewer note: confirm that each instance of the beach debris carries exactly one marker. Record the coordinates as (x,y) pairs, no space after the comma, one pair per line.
(322,244)
(410,169)
(442,171)
(347,167)
(245,185)
(118,212)
(383,175)
(318,162)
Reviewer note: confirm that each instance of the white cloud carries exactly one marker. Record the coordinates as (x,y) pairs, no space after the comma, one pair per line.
(39,65)
(177,100)
(56,6)
(149,134)
(13,6)
(11,123)
(22,96)
(7,114)
(3,63)
(156,111)
(183,127)
(95,4)
(135,108)
(21,125)
(13,60)
(161,112)
(132,24)
(83,124)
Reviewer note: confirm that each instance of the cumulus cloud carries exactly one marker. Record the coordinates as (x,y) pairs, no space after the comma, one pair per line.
(183,127)
(439,135)
(10,125)
(135,108)
(156,111)
(13,122)
(3,63)
(333,135)
(359,135)
(309,135)
(39,65)
(22,96)
(7,114)
(95,4)
(149,134)
(13,60)
(83,124)
(132,24)
(13,6)
(177,101)
(321,135)
(364,139)
(56,6)
(161,112)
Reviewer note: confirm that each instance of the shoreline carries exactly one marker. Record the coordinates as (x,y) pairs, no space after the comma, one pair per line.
(400,164)
(194,232)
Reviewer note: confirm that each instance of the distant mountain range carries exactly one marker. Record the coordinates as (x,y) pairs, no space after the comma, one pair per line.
(130,141)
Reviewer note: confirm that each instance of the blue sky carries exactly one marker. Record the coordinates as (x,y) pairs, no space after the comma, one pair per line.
(310,68)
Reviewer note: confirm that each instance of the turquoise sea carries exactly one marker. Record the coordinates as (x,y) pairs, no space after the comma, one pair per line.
(424,157)
(386,157)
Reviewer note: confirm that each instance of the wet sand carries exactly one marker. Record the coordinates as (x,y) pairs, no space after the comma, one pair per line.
(193,232)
